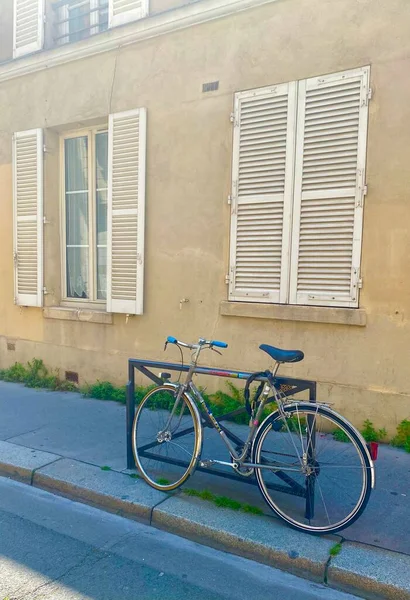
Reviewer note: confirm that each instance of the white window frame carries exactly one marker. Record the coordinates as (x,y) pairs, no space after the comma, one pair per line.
(91,302)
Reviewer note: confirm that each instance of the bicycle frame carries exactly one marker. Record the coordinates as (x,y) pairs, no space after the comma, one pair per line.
(194,395)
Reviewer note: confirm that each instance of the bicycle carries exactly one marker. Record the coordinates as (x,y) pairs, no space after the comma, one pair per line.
(311,465)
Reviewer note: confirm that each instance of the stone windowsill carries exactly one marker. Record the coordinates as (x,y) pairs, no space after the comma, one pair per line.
(287,312)
(85,315)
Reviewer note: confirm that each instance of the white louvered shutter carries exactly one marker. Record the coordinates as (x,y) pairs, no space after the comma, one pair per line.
(28,26)
(329,189)
(262,185)
(125,11)
(126,211)
(28,217)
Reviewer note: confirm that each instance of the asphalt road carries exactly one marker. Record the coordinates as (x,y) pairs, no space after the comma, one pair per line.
(53,548)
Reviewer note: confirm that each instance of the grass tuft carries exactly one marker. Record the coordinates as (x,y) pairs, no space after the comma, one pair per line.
(336,549)
(340,436)
(162,481)
(402,438)
(371,434)
(254,510)
(36,375)
(222,501)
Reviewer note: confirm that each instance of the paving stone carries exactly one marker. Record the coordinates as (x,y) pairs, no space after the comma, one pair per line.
(111,490)
(19,462)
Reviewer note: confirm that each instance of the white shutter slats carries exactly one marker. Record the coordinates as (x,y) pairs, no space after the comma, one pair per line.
(126,208)
(125,11)
(28,217)
(28,26)
(260,223)
(329,169)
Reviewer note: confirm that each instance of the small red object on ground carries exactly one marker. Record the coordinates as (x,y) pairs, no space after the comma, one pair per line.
(373,449)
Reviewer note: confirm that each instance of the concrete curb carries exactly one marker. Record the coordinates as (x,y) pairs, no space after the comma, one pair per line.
(359,569)
(374,571)
(243,535)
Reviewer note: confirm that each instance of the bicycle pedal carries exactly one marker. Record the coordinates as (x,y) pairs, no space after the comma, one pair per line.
(206,463)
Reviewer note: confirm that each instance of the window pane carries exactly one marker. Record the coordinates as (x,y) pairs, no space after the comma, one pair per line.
(102,273)
(76,162)
(77,272)
(101,172)
(101,152)
(102,218)
(77,219)
(79,24)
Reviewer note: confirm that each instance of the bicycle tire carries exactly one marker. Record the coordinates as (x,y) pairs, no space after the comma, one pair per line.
(173,474)
(304,522)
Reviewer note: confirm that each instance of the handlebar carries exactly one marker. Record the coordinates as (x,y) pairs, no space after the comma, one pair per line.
(201,343)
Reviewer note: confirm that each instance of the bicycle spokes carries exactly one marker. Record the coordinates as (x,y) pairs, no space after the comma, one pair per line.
(319,476)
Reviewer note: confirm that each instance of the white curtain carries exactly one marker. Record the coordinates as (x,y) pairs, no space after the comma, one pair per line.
(101,153)
(77,218)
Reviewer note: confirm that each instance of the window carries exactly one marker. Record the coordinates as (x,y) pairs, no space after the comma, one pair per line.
(298,186)
(85,215)
(78,19)
(102,215)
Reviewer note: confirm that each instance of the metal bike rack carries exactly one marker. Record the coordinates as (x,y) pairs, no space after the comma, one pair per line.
(288,386)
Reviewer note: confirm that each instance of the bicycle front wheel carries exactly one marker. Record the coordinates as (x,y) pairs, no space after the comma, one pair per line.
(317,470)
(166,438)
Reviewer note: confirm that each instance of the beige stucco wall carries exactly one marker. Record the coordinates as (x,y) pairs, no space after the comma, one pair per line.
(364,371)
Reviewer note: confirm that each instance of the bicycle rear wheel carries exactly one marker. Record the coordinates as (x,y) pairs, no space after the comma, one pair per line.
(166,438)
(320,477)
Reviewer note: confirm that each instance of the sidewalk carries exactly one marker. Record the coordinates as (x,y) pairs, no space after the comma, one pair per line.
(60,441)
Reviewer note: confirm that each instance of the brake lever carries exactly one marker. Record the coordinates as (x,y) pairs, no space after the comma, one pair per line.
(217,351)
(165,346)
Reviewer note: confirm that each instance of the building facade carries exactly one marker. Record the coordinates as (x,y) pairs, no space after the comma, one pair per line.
(233,169)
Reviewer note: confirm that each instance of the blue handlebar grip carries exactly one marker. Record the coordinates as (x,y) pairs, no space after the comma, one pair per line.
(219,344)
(171,339)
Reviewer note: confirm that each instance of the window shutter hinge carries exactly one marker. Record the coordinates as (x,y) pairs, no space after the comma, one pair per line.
(45,149)
(363,193)
(360,283)
(227,279)
(230,199)
(368,97)
(15,257)
(45,292)
(233,119)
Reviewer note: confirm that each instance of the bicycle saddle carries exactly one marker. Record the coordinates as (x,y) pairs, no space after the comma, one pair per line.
(282,356)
